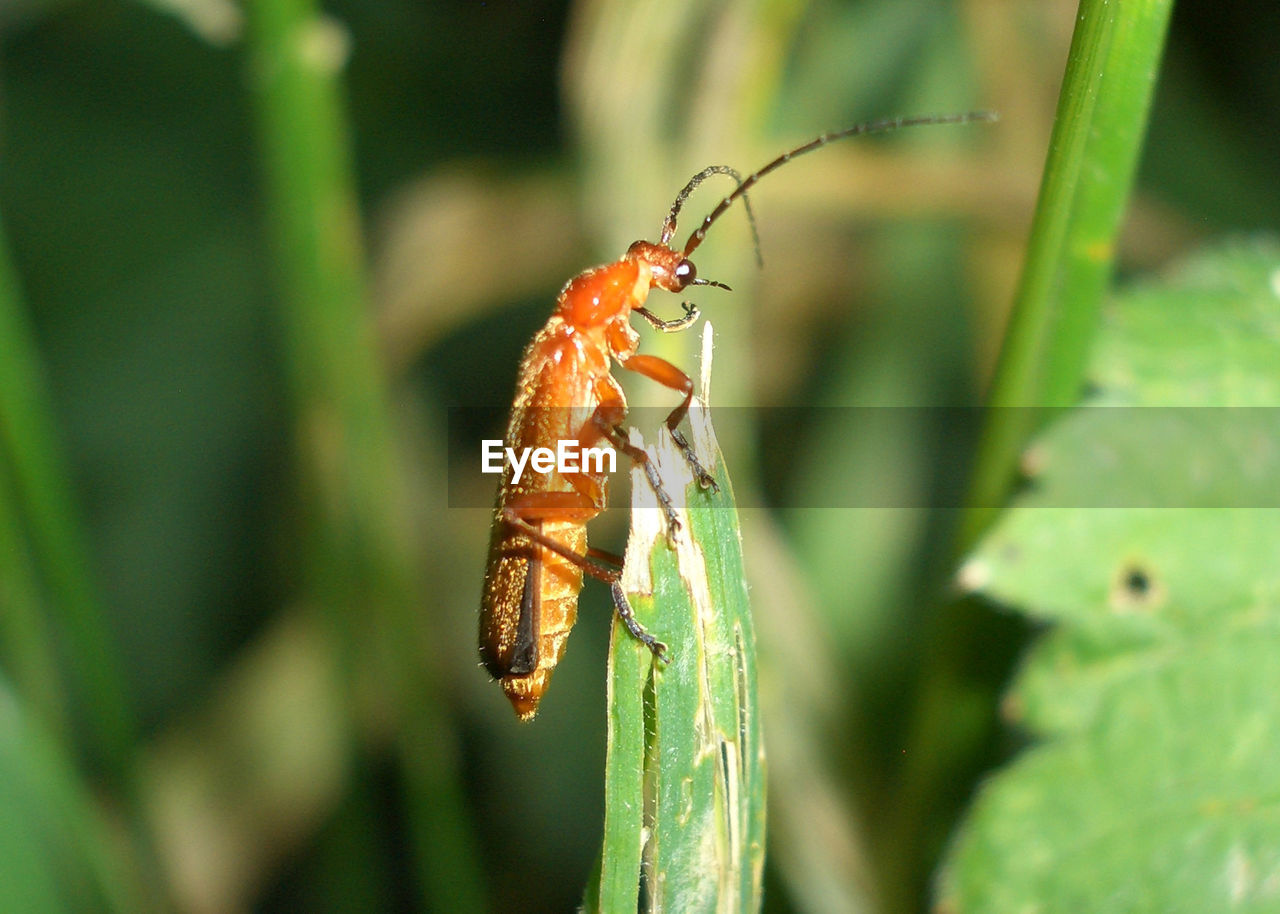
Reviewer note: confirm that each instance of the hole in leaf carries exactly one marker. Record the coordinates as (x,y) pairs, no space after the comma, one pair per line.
(1137,583)
(1136,587)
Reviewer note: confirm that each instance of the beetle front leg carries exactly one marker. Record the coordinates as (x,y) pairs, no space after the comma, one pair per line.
(691,315)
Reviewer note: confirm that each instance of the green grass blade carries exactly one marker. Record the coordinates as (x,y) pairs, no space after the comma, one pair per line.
(42,504)
(685,782)
(1093,152)
(1098,132)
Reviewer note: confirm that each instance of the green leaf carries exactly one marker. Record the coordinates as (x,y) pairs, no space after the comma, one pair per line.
(1156,694)
(684,785)
(1204,336)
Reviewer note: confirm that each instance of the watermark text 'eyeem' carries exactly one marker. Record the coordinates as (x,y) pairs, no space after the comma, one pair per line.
(568,456)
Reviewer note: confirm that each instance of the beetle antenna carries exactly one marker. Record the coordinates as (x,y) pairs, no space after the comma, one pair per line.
(669,225)
(869,127)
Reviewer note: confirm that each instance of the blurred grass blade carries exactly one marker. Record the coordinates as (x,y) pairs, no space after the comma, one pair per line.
(1093,152)
(57,854)
(350,476)
(361,551)
(44,508)
(26,650)
(685,782)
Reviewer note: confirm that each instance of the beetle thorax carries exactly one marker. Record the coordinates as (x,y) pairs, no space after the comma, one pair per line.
(605,294)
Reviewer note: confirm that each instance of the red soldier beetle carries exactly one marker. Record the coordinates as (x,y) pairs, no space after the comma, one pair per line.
(565,391)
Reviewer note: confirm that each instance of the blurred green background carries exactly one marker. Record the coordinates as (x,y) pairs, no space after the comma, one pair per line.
(296,731)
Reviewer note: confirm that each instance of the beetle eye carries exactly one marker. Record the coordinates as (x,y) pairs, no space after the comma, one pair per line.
(686,272)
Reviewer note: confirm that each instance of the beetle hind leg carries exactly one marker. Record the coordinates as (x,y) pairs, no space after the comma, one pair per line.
(611,576)
(628,617)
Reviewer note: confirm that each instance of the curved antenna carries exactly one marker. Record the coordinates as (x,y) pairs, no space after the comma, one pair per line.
(881,126)
(669,224)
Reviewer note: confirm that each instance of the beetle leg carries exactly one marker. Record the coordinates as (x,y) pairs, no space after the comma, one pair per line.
(638,455)
(611,557)
(611,576)
(606,422)
(588,500)
(623,608)
(539,506)
(514,517)
(691,314)
(668,375)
